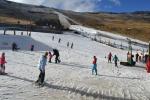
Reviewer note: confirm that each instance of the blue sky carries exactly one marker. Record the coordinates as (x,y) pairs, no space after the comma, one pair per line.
(93,5)
(125,6)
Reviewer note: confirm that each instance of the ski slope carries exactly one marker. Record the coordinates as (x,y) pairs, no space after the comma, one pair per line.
(72,78)
(109,37)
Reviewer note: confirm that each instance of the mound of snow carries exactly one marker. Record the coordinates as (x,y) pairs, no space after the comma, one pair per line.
(23,42)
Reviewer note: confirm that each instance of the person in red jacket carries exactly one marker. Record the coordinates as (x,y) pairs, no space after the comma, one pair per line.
(94,65)
(2,63)
(109,57)
(148,65)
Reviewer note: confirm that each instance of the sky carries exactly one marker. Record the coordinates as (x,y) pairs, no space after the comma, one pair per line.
(93,5)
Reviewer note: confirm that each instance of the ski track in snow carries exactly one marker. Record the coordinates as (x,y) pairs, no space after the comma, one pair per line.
(71,79)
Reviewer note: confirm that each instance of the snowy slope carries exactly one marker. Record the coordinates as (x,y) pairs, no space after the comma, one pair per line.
(71,79)
(109,37)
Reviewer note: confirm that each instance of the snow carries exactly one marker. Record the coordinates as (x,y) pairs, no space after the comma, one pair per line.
(72,78)
(110,37)
(62,18)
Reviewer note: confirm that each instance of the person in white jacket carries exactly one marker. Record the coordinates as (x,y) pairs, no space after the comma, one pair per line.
(41,66)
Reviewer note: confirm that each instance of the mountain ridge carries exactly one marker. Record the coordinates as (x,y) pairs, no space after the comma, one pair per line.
(133,24)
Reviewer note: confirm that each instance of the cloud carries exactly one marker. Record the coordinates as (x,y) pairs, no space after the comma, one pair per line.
(75,5)
(116,2)
(34,2)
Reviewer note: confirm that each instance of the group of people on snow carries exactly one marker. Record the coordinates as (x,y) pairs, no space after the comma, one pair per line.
(68,44)
(115,59)
(42,63)
(15,47)
(141,57)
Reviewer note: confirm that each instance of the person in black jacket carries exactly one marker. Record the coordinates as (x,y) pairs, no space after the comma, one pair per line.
(56,53)
(14,46)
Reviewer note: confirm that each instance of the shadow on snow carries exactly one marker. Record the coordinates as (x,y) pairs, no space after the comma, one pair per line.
(74,90)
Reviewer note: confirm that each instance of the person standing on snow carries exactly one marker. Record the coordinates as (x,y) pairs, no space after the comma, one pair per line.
(53,38)
(41,65)
(14,46)
(137,56)
(56,53)
(115,59)
(67,44)
(94,65)
(32,48)
(72,45)
(109,57)
(50,56)
(59,40)
(2,63)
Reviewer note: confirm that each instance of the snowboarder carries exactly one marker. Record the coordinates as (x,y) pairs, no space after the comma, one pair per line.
(109,57)
(94,65)
(50,56)
(56,53)
(71,45)
(2,64)
(137,55)
(41,65)
(32,48)
(115,59)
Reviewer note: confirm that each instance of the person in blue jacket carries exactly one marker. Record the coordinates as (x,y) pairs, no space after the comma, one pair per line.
(116,60)
(41,66)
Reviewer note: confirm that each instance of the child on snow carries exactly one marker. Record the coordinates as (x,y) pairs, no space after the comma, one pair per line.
(50,56)
(109,57)
(2,63)
(115,59)
(56,53)
(41,65)
(94,65)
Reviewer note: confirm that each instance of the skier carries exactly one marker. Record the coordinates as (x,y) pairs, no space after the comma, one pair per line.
(109,57)
(41,65)
(50,56)
(30,34)
(94,65)
(56,53)
(53,38)
(14,46)
(32,47)
(128,56)
(67,44)
(115,59)
(146,57)
(137,55)
(59,40)
(21,33)
(71,45)
(2,64)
